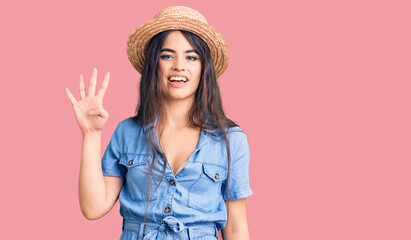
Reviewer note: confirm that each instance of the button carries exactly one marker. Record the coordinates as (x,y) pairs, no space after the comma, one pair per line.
(172,182)
(130,162)
(167,209)
(217,176)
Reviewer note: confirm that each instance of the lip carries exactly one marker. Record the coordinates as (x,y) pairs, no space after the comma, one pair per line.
(177,84)
(178,75)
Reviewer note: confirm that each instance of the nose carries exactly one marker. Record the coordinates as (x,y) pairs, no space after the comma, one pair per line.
(179,64)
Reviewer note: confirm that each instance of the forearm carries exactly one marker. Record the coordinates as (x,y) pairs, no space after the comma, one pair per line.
(239,234)
(91,181)
(236,227)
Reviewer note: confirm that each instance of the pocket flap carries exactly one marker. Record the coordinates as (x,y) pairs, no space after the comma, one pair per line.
(132,160)
(217,173)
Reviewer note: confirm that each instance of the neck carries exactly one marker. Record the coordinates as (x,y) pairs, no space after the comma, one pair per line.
(177,112)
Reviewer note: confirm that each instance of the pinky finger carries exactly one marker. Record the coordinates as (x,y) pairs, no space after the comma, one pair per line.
(70,96)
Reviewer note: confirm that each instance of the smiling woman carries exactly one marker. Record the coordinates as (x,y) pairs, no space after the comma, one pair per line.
(179,166)
(179,67)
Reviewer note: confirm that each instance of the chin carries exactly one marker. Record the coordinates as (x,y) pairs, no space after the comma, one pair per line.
(178,97)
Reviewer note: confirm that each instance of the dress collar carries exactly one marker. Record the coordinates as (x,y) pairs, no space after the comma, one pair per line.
(203,135)
(148,125)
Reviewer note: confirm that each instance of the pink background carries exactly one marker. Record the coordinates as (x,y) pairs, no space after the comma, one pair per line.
(321,87)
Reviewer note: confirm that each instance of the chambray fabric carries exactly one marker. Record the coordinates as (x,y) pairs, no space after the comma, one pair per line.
(196,200)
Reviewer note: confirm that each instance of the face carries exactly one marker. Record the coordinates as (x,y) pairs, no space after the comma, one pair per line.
(179,68)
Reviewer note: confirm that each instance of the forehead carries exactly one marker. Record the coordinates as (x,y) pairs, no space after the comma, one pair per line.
(177,41)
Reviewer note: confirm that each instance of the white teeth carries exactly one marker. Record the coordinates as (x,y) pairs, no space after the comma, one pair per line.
(178,79)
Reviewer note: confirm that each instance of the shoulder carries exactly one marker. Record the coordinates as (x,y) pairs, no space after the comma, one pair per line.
(127,128)
(128,124)
(236,134)
(130,136)
(236,137)
(238,142)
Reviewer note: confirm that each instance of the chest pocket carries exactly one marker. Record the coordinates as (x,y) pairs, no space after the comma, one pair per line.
(136,182)
(205,192)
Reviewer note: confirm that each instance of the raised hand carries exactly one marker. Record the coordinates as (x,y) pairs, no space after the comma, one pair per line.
(90,114)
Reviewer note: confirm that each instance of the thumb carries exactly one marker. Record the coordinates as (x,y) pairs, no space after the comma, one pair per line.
(100,111)
(94,112)
(103,113)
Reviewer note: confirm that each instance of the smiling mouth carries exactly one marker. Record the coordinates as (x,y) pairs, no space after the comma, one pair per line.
(177,79)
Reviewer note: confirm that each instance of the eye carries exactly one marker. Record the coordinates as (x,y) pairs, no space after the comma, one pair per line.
(191,58)
(165,56)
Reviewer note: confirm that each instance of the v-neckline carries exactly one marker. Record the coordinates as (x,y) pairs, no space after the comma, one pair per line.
(200,143)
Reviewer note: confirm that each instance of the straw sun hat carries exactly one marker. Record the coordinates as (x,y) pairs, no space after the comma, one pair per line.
(174,18)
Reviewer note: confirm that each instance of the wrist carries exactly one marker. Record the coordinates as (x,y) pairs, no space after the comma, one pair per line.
(92,134)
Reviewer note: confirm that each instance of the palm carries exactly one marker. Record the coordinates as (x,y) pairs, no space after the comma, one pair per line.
(87,120)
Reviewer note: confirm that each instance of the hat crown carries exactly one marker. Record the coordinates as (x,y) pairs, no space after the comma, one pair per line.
(177,18)
(180,11)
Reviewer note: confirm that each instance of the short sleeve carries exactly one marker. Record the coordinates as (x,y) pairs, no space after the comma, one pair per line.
(239,183)
(110,162)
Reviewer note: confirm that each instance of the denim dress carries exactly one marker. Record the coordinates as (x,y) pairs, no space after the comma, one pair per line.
(187,205)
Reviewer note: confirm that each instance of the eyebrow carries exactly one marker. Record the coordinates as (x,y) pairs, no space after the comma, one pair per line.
(171,50)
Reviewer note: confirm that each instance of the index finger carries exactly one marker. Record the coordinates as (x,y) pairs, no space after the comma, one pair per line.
(104,85)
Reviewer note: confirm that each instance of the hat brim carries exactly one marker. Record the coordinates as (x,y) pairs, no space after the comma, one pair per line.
(139,39)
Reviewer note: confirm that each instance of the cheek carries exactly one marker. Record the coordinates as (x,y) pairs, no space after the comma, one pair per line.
(198,76)
(161,73)
(195,85)
(198,70)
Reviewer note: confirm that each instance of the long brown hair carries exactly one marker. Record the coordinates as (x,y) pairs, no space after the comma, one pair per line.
(206,111)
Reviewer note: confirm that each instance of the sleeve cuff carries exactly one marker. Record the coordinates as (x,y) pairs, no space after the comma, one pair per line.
(239,194)
(112,172)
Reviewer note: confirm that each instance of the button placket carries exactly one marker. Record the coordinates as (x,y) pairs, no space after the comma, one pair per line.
(170,195)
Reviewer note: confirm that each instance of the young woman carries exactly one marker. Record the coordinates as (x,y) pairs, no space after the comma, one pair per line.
(172,165)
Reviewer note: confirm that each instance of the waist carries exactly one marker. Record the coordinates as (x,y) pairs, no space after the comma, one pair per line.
(170,226)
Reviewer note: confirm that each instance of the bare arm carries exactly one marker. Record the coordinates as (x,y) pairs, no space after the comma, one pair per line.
(97,193)
(236,227)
